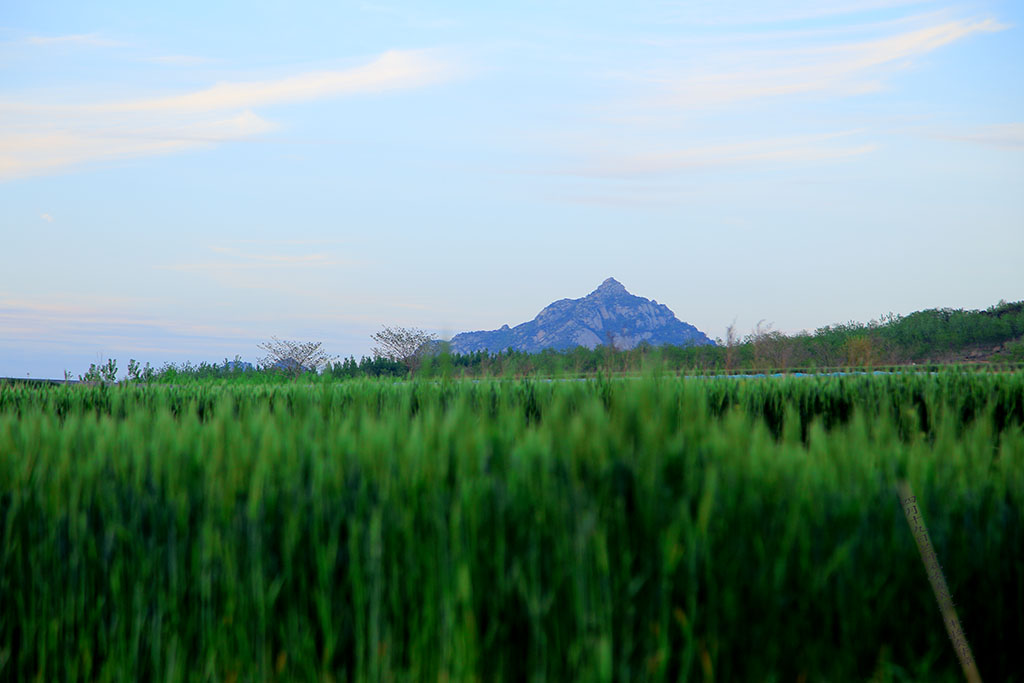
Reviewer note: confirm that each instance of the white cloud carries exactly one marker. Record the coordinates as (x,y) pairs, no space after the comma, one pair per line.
(46,217)
(37,138)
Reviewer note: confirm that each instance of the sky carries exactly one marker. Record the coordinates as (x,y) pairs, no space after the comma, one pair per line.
(183,181)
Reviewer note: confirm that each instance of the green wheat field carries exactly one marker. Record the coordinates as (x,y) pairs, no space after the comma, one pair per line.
(633,529)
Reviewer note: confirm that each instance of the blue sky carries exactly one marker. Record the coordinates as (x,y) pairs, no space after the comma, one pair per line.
(185,181)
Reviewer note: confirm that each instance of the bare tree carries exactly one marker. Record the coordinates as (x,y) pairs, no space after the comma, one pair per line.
(294,357)
(731,342)
(772,349)
(403,344)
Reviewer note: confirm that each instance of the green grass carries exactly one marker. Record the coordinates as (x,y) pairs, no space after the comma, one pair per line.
(654,529)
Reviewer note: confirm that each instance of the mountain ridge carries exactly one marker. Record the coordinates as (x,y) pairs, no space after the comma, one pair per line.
(608,315)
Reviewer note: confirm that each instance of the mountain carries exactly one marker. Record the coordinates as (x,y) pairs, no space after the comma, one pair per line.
(607,312)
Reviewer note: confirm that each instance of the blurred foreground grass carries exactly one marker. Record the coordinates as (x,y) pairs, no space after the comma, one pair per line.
(656,529)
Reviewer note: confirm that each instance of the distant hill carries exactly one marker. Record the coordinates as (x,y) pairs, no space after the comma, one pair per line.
(609,314)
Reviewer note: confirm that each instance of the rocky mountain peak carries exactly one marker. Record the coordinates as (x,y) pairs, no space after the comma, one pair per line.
(609,314)
(610,286)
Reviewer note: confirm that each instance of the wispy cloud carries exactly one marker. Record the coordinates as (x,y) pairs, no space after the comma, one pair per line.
(407,17)
(1002,135)
(277,259)
(31,150)
(180,60)
(128,329)
(105,326)
(39,138)
(81,39)
(718,12)
(391,71)
(46,217)
(237,260)
(642,198)
(733,77)
(795,149)
(841,69)
(221,267)
(278,243)
(742,39)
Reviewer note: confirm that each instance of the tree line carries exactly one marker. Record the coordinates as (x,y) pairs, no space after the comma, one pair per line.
(934,336)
